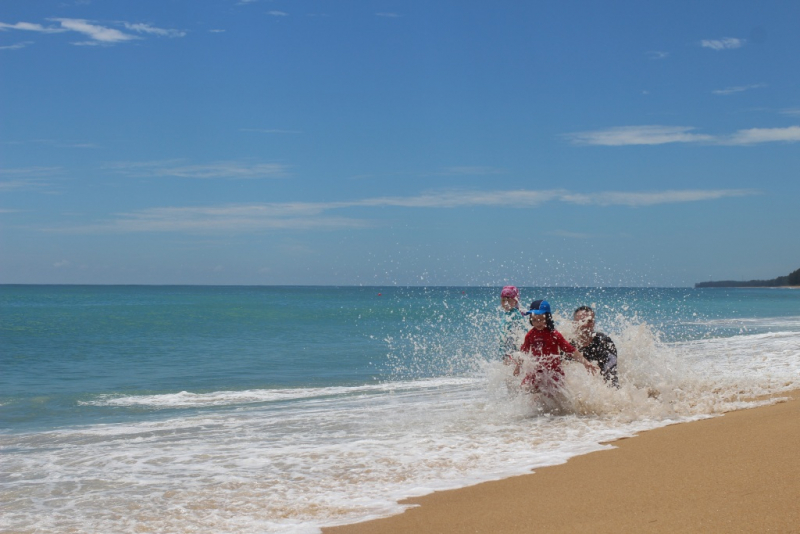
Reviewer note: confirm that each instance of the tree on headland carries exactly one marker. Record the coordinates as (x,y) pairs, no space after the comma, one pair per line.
(792,279)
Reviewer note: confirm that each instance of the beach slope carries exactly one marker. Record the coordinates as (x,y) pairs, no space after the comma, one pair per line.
(735,473)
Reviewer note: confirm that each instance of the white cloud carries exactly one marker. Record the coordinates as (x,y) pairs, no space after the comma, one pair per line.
(725,43)
(15,185)
(791,111)
(16,46)
(458,199)
(277,13)
(638,199)
(53,142)
(76,145)
(656,54)
(738,89)
(30,171)
(314,215)
(638,135)
(471,170)
(98,34)
(225,219)
(526,198)
(28,26)
(269,131)
(25,178)
(146,28)
(764,135)
(659,135)
(221,169)
(572,235)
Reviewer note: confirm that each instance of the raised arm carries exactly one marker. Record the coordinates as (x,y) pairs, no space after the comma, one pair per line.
(565,346)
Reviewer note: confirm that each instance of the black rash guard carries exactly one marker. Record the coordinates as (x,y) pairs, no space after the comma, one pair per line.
(602,351)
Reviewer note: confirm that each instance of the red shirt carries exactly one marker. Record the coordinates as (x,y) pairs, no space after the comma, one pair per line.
(544,346)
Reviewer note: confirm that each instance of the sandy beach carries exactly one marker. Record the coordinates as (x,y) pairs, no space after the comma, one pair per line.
(736,473)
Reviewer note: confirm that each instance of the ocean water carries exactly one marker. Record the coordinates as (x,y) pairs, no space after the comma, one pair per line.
(285,409)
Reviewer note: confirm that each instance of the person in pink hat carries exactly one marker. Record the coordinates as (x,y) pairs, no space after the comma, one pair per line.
(512,323)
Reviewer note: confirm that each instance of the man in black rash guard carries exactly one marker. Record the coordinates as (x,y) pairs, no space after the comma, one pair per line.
(595,346)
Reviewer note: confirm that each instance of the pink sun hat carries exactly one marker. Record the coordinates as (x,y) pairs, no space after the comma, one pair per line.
(510,292)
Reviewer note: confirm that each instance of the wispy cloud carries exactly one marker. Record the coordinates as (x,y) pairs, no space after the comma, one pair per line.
(572,235)
(17,46)
(656,54)
(738,89)
(76,145)
(764,135)
(660,135)
(316,215)
(275,13)
(269,131)
(471,170)
(31,27)
(29,171)
(458,199)
(791,111)
(232,170)
(225,219)
(639,199)
(147,28)
(54,143)
(726,43)
(20,184)
(638,135)
(18,179)
(98,34)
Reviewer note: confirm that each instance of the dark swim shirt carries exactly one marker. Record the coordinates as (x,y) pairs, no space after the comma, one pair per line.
(602,351)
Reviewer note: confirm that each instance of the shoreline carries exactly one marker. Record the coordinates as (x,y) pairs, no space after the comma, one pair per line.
(738,472)
(746,287)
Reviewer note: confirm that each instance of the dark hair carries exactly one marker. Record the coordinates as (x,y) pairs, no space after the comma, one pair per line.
(548,317)
(582,308)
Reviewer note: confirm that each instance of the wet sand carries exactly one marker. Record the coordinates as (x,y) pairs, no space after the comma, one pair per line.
(735,473)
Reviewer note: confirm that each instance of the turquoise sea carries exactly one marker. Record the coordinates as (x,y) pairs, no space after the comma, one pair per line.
(284,409)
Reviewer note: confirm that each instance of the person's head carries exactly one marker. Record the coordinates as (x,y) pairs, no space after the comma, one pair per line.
(509,298)
(540,316)
(584,318)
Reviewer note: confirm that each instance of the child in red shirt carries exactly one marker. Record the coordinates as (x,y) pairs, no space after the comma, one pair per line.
(543,344)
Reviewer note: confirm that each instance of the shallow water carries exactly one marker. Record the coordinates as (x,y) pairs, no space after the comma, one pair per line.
(198,409)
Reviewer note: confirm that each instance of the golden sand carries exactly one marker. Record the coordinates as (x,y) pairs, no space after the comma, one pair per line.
(735,473)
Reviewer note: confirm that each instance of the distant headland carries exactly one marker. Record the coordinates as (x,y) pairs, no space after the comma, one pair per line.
(792,279)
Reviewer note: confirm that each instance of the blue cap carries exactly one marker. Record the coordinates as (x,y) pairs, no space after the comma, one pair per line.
(538,307)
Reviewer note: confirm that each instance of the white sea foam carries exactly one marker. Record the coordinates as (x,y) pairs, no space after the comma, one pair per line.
(755,323)
(185,399)
(294,460)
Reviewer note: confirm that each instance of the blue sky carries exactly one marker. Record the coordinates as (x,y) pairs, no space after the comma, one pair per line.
(417,142)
